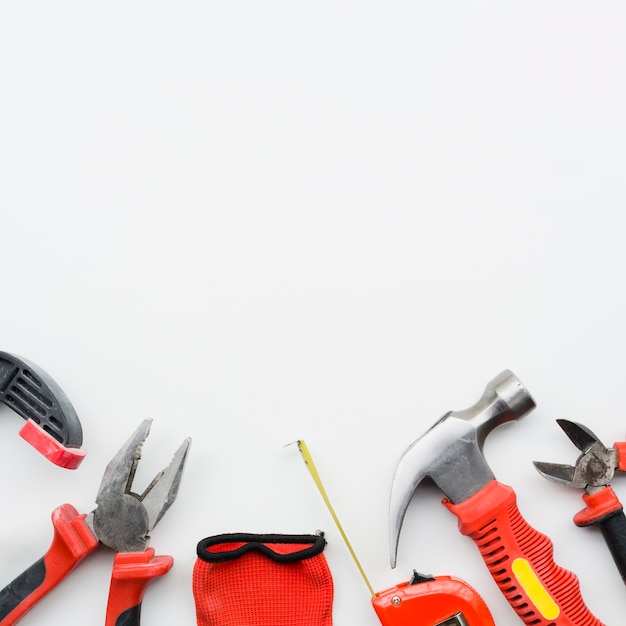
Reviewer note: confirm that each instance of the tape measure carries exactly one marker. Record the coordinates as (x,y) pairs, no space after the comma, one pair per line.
(422,600)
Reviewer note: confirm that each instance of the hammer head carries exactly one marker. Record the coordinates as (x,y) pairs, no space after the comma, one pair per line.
(451,451)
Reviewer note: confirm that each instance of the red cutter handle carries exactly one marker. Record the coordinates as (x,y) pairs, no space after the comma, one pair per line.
(132,573)
(520,560)
(71,543)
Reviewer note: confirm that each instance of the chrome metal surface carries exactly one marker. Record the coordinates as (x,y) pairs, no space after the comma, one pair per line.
(451,451)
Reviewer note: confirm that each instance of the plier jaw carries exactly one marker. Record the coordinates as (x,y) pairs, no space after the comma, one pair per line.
(122,518)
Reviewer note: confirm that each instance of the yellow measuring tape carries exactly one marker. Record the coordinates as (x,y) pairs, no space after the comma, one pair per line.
(308,460)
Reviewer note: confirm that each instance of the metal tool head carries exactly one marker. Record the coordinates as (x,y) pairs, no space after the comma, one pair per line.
(593,469)
(123,519)
(451,451)
(52,425)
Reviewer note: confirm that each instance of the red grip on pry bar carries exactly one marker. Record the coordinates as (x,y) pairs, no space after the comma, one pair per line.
(520,560)
(132,573)
(71,543)
(48,446)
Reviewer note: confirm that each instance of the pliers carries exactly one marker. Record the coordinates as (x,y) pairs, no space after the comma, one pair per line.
(121,521)
(593,471)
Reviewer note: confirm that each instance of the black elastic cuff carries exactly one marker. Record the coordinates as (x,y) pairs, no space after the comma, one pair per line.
(258,543)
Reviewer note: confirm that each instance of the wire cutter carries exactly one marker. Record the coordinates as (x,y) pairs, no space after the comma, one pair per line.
(121,521)
(593,471)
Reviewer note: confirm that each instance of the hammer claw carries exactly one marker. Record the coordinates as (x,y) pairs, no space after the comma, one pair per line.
(405,483)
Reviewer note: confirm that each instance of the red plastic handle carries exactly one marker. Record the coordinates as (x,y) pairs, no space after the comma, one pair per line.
(600,505)
(46,444)
(431,602)
(71,543)
(520,560)
(132,573)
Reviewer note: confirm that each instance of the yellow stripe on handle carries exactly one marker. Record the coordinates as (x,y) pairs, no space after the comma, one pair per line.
(534,589)
(308,460)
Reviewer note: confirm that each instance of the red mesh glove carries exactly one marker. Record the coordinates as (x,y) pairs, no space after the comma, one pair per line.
(262,580)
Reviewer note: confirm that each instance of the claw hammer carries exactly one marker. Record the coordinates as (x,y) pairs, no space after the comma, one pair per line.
(519,558)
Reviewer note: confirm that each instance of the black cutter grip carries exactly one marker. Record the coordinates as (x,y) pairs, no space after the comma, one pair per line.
(614,532)
(130,617)
(605,510)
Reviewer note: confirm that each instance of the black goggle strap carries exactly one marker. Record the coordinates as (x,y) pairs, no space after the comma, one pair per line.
(236,545)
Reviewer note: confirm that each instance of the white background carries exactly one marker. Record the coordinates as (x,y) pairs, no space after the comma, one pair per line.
(262,221)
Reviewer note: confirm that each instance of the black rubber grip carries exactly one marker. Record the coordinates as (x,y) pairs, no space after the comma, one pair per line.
(130,617)
(33,394)
(614,531)
(18,590)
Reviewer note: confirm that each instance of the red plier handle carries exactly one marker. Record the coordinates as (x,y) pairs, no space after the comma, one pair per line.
(71,543)
(132,573)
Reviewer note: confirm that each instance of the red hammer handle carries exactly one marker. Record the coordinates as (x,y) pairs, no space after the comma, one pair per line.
(520,560)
